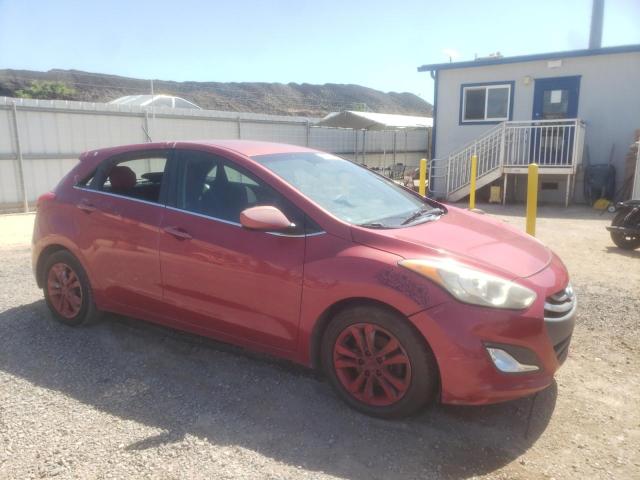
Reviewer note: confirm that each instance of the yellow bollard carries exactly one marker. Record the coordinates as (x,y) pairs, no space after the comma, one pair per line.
(422,188)
(532,198)
(474,174)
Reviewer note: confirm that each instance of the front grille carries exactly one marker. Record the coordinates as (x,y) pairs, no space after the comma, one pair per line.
(559,310)
(559,305)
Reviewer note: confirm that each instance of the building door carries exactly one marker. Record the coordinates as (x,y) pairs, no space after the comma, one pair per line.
(554,101)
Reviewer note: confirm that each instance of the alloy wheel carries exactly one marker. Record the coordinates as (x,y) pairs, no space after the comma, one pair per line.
(64,289)
(371,364)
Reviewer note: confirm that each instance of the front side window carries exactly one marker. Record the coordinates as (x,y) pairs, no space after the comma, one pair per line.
(211,186)
(486,103)
(137,175)
(346,190)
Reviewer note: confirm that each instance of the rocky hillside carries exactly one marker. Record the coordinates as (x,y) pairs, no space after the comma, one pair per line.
(273,98)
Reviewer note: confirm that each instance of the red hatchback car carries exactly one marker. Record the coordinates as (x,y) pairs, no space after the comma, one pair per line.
(307,256)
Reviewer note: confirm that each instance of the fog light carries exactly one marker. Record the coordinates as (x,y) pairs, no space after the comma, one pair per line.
(507,364)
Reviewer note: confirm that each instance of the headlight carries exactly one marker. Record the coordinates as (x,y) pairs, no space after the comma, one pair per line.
(472,286)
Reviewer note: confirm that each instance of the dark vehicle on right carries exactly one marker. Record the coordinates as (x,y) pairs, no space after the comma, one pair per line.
(625,227)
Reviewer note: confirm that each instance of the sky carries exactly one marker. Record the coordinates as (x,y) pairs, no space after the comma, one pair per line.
(378,44)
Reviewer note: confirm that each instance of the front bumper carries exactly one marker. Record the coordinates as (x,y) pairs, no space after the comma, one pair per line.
(459,335)
(559,320)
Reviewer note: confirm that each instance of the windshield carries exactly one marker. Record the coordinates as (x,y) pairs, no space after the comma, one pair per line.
(350,192)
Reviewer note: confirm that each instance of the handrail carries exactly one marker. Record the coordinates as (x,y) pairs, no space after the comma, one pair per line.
(485,134)
(550,143)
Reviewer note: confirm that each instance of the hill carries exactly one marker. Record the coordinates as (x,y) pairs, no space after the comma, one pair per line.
(272,98)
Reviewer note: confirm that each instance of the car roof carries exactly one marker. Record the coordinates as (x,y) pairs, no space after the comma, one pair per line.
(243,147)
(252,147)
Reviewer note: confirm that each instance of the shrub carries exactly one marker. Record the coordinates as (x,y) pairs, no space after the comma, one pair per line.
(47,90)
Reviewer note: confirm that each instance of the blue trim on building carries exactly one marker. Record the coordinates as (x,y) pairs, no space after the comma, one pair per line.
(512,83)
(530,58)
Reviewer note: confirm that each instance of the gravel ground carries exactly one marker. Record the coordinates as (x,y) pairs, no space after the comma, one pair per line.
(124,399)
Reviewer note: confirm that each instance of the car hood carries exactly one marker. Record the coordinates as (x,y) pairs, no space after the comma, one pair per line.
(469,237)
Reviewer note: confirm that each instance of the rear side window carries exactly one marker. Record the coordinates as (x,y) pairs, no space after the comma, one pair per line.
(138,175)
(214,187)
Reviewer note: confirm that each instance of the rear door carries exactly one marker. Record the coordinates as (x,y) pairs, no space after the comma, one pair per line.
(119,212)
(237,284)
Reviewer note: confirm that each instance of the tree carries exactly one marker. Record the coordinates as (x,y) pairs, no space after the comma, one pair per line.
(47,90)
(360,107)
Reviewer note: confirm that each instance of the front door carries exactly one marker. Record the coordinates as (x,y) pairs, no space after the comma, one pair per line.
(554,101)
(239,285)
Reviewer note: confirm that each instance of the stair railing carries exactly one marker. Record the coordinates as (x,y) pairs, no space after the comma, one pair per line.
(550,143)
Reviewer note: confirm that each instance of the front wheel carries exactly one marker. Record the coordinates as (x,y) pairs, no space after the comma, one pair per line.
(623,240)
(378,364)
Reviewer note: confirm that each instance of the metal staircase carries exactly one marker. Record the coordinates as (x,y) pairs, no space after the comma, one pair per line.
(509,147)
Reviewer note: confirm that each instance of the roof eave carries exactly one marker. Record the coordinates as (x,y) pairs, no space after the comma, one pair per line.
(530,58)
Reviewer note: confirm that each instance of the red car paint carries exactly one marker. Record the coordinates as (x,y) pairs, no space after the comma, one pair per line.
(273,293)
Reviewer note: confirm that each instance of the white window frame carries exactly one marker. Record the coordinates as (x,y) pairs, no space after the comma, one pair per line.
(486,102)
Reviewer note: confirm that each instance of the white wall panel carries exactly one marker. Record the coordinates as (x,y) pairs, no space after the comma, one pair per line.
(9,186)
(275,132)
(54,133)
(167,129)
(42,175)
(332,139)
(6,132)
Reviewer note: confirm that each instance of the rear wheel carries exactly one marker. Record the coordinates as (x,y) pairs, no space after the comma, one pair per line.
(623,240)
(67,290)
(378,364)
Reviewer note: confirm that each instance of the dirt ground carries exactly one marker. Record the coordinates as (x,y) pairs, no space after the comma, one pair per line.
(123,399)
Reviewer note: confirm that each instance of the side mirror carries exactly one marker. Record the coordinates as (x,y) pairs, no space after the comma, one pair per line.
(265,218)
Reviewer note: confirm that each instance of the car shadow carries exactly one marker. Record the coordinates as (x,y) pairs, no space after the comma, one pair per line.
(183,384)
(623,252)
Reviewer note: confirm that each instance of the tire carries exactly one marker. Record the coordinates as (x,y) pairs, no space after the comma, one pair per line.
(379,378)
(71,303)
(623,241)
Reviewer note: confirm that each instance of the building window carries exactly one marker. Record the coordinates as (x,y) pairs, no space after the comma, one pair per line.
(486,103)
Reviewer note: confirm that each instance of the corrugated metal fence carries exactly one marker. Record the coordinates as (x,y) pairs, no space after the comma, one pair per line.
(40,140)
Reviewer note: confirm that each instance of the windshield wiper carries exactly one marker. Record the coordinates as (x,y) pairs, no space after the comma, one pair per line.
(420,213)
(372,225)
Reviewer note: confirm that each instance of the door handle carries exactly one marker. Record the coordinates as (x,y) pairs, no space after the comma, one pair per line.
(86,207)
(178,233)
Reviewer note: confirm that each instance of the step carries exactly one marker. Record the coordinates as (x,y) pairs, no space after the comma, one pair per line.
(482,181)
